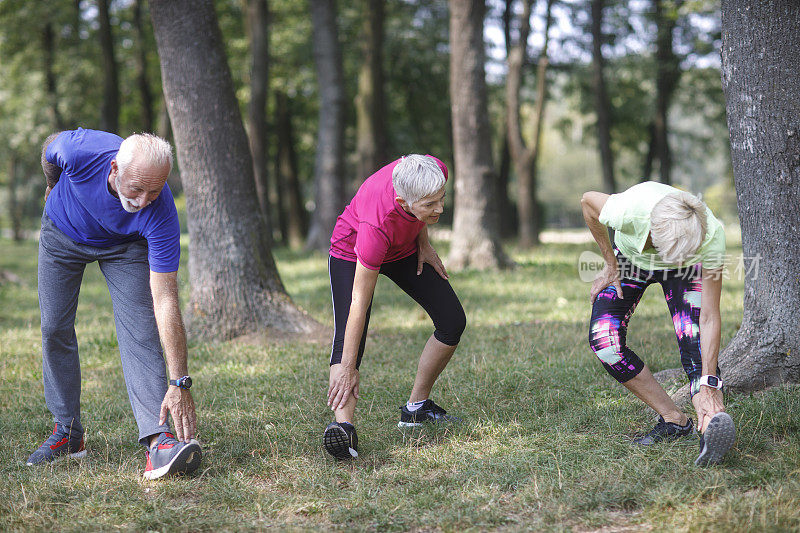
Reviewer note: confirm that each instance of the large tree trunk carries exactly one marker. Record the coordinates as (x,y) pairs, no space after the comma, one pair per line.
(601,103)
(109,111)
(329,187)
(761,80)
(476,239)
(48,48)
(371,140)
(258,30)
(525,158)
(142,79)
(235,287)
(296,219)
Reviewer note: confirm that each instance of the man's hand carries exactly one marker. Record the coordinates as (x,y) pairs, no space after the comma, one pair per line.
(609,276)
(426,254)
(707,403)
(343,381)
(179,402)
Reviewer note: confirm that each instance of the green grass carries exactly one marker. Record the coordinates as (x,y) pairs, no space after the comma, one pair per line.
(545,443)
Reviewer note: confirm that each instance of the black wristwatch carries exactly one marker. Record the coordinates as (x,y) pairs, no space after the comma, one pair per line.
(184,383)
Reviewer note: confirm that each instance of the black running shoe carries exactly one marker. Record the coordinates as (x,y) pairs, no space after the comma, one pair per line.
(665,431)
(717,440)
(427,412)
(340,440)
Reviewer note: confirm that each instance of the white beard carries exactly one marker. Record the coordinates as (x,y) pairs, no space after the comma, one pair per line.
(127,204)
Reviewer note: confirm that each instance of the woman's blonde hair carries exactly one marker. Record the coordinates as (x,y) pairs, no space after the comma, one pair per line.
(678,227)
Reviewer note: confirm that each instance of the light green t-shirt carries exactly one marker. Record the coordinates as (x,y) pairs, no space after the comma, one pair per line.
(629,214)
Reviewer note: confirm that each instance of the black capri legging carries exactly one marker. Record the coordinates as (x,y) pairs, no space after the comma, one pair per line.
(429,290)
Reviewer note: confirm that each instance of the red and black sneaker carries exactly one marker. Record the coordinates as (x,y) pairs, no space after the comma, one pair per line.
(168,456)
(62,444)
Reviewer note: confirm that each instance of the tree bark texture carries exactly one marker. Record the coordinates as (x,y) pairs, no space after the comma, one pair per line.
(761,80)
(48,49)
(109,111)
(258,30)
(602,104)
(505,211)
(371,139)
(235,287)
(142,79)
(525,157)
(292,197)
(329,184)
(476,239)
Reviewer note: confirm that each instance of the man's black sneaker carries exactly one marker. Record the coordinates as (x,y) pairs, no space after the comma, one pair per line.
(427,412)
(717,440)
(340,440)
(665,431)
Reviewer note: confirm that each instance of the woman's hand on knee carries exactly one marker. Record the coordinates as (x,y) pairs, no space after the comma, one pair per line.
(343,382)
(607,278)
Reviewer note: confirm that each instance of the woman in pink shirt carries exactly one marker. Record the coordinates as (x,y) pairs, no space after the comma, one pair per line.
(384,231)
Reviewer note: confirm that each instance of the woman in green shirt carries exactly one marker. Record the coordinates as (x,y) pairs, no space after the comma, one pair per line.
(667,236)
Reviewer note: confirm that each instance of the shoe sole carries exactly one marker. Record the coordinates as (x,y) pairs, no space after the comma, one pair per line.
(185,462)
(717,440)
(77,455)
(336,442)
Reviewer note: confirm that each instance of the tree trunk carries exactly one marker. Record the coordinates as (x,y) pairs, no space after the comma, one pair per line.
(142,79)
(329,187)
(505,215)
(668,73)
(370,102)
(109,111)
(761,80)
(48,48)
(14,206)
(296,219)
(235,287)
(258,30)
(525,158)
(601,103)
(476,239)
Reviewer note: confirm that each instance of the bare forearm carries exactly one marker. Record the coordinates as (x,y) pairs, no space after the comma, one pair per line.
(52,173)
(422,238)
(352,334)
(600,234)
(710,332)
(173,339)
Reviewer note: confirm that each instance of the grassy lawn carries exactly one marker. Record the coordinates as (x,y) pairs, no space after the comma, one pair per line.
(545,442)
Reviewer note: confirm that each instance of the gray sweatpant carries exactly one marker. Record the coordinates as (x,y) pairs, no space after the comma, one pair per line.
(127,272)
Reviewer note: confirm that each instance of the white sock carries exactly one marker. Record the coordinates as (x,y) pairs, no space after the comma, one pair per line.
(413,406)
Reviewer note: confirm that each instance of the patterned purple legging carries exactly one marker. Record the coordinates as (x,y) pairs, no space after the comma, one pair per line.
(610,316)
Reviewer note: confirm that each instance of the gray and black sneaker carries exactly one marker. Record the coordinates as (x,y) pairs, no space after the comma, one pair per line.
(427,412)
(169,456)
(717,440)
(665,431)
(60,445)
(340,440)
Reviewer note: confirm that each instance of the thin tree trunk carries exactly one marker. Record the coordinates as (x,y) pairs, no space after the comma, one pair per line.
(109,111)
(14,206)
(601,102)
(525,158)
(48,48)
(668,73)
(371,140)
(761,80)
(258,30)
(296,219)
(235,286)
(142,79)
(329,186)
(505,213)
(476,239)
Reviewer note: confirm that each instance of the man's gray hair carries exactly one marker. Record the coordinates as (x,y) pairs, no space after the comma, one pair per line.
(417,176)
(678,226)
(148,149)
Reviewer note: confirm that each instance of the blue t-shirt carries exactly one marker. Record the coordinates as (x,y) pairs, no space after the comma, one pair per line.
(83,208)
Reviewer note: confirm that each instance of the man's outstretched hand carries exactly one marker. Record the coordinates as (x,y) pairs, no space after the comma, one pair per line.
(179,402)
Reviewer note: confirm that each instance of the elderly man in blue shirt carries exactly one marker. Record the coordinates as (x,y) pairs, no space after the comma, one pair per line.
(107,201)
